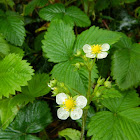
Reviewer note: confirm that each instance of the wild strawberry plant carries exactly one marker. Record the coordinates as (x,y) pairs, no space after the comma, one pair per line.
(87,76)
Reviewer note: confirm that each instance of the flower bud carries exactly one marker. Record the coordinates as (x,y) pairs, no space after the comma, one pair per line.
(78,53)
(100,81)
(77,65)
(107,84)
(97,94)
(52,83)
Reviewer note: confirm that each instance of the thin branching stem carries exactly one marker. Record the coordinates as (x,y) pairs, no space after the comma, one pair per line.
(84,117)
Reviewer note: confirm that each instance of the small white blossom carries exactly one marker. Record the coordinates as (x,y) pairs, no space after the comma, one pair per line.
(70,107)
(99,51)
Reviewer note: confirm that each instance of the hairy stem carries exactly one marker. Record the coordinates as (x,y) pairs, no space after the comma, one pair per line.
(84,117)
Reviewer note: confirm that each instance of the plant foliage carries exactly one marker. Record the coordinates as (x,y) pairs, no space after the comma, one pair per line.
(119,123)
(71,15)
(70,134)
(34,3)
(37,87)
(12,27)
(125,64)
(14,73)
(28,120)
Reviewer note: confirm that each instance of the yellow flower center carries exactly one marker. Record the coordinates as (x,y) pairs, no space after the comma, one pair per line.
(69,104)
(96,49)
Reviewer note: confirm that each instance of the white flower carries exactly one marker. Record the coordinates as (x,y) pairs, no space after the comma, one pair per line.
(70,107)
(99,51)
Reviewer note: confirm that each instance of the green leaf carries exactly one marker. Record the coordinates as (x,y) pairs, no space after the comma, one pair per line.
(8,2)
(101,5)
(79,17)
(7,112)
(14,73)
(34,3)
(75,79)
(94,35)
(22,99)
(58,42)
(128,100)
(31,119)
(9,134)
(11,26)
(16,50)
(126,63)
(38,42)
(70,134)
(50,11)
(123,122)
(109,92)
(6,48)
(108,126)
(37,86)
(71,15)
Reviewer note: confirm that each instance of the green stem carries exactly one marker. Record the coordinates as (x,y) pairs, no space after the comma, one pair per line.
(84,117)
(90,66)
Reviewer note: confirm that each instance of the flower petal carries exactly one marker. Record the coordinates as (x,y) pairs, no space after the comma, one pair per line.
(105,47)
(102,55)
(81,101)
(62,113)
(90,55)
(87,48)
(60,98)
(76,113)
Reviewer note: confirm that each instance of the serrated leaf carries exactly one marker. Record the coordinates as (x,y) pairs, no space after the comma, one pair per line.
(128,100)
(17,50)
(49,12)
(70,134)
(11,26)
(94,35)
(28,120)
(75,79)
(71,15)
(58,42)
(34,3)
(79,17)
(6,48)
(126,64)
(109,92)
(37,86)
(108,126)
(123,122)
(8,112)
(14,73)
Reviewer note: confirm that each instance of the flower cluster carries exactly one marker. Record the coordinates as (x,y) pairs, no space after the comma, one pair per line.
(70,106)
(98,51)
